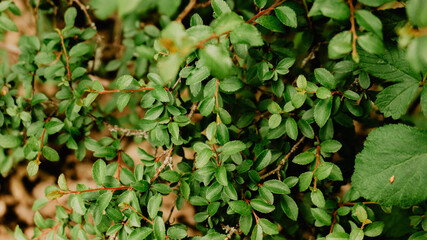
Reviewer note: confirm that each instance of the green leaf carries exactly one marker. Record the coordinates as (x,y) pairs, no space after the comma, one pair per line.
(322,111)
(379,162)
(217,59)
(317,198)
(305,180)
(241,207)
(371,43)
(391,66)
(214,192)
(79,50)
(203,158)
(206,106)
(160,93)
(62,182)
(70,16)
(287,16)
(305,128)
(220,7)
(104,200)
(38,98)
(370,22)
(7,24)
(39,203)
(231,84)
(260,3)
(159,228)
(340,45)
(78,205)
(274,121)
(291,128)
(337,236)
(50,154)
(227,22)
(246,34)
(330,146)
(262,206)
(374,229)
(177,232)
(423,100)
(124,81)
(154,205)
(270,22)
(99,171)
(374,3)
(18,234)
(325,77)
(9,141)
(322,216)
(277,187)
(304,158)
(245,223)
(198,201)
(268,227)
(394,100)
(32,168)
(356,234)
(416,12)
(122,101)
(233,147)
(289,207)
(221,175)
(284,65)
(198,75)
(323,93)
(335,9)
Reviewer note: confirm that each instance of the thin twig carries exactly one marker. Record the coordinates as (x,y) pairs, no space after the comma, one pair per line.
(186,10)
(353,29)
(282,163)
(203,5)
(125,131)
(266,11)
(96,189)
(310,56)
(142,216)
(192,111)
(67,58)
(164,164)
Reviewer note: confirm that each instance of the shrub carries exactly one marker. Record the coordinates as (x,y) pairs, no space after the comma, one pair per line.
(256,110)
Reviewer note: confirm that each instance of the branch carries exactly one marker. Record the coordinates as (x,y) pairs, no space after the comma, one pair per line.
(166,162)
(353,30)
(125,131)
(282,163)
(186,10)
(266,11)
(317,162)
(96,189)
(192,111)
(41,143)
(142,216)
(67,58)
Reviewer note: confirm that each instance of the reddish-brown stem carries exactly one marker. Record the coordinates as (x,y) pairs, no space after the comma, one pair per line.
(96,189)
(203,5)
(282,163)
(44,233)
(353,27)
(125,91)
(317,162)
(266,11)
(67,58)
(119,162)
(164,164)
(352,203)
(186,10)
(142,216)
(216,156)
(334,220)
(41,143)
(201,43)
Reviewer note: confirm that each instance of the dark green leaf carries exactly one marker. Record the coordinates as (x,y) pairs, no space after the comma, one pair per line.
(379,162)
(241,207)
(287,16)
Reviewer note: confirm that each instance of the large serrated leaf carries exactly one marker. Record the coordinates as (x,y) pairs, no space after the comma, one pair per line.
(393,177)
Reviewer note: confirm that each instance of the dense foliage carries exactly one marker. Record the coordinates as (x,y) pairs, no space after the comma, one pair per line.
(252,107)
